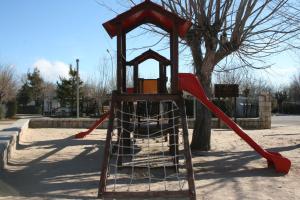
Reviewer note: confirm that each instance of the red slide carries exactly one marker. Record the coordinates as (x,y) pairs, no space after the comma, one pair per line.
(95,125)
(190,83)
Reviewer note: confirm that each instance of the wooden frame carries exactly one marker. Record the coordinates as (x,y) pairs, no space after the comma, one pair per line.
(163,63)
(147,12)
(116,100)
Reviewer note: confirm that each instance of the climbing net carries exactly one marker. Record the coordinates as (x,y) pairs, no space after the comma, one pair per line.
(147,152)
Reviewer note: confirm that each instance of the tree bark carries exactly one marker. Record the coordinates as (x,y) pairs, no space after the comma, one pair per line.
(202,125)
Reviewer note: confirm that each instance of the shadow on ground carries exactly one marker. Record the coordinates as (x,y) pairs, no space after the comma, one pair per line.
(227,166)
(72,177)
(57,178)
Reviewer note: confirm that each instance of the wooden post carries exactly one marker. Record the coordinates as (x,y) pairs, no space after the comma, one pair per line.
(174,59)
(219,120)
(123,59)
(187,151)
(235,120)
(165,79)
(119,59)
(135,77)
(160,83)
(105,162)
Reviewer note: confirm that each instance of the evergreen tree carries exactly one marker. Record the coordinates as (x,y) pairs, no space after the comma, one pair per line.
(24,95)
(36,85)
(32,90)
(66,90)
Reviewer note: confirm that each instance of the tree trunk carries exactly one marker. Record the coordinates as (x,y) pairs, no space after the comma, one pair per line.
(202,125)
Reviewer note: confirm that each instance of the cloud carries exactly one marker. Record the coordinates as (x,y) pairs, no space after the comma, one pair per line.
(51,71)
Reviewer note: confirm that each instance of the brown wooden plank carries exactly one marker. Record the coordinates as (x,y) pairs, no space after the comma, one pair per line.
(102,183)
(149,97)
(119,59)
(174,58)
(187,151)
(150,194)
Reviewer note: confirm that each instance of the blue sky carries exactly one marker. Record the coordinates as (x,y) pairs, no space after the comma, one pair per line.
(51,34)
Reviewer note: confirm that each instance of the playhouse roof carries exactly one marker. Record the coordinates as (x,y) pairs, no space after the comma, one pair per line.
(147,12)
(150,54)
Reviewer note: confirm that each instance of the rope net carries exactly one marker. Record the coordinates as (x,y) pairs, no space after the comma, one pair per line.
(147,151)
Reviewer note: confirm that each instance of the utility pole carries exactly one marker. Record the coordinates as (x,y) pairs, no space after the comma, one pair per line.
(112,64)
(77,83)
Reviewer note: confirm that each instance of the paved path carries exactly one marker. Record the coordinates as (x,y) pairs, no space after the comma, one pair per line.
(6,123)
(285,120)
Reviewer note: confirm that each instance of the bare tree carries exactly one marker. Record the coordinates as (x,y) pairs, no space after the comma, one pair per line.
(49,95)
(101,86)
(8,84)
(247,30)
(294,88)
(246,81)
(230,77)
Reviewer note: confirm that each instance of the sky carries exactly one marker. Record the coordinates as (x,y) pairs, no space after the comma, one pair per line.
(51,34)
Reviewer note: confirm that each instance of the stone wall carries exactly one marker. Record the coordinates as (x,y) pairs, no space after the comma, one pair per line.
(265,109)
(65,123)
(262,122)
(9,140)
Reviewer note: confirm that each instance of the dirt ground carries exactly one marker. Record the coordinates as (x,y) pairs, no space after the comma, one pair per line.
(6,123)
(50,164)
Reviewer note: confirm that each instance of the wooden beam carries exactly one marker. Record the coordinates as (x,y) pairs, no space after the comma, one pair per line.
(174,59)
(187,151)
(123,59)
(105,162)
(135,77)
(119,59)
(148,97)
(150,194)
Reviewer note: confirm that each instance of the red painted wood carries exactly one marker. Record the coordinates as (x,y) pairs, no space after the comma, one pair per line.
(191,84)
(147,12)
(95,125)
(150,54)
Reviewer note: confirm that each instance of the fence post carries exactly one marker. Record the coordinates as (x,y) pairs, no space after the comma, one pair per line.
(264,103)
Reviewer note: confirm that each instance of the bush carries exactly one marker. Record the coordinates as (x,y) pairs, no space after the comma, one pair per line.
(291,108)
(11,109)
(2,114)
(29,110)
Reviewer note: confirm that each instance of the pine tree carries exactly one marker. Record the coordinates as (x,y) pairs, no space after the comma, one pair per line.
(24,95)
(36,85)
(32,90)
(66,90)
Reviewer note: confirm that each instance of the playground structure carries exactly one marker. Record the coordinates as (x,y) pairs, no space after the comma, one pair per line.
(149,143)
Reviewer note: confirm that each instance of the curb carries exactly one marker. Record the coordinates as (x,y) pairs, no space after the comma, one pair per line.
(9,140)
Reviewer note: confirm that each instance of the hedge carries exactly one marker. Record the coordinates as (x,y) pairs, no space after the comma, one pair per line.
(291,107)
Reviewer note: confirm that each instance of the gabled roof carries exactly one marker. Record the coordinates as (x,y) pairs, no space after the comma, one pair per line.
(147,12)
(150,54)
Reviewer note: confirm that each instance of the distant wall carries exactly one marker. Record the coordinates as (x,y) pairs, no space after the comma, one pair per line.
(64,123)
(262,122)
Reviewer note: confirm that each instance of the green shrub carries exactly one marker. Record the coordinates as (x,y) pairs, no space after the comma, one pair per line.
(291,108)
(29,109)
(11,109)
(2,114)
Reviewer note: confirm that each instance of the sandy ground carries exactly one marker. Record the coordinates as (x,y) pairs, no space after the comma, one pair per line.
(50,164)
(6,123)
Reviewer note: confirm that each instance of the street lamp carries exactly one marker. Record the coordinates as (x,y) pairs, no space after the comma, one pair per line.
(112,64)
(77,85)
